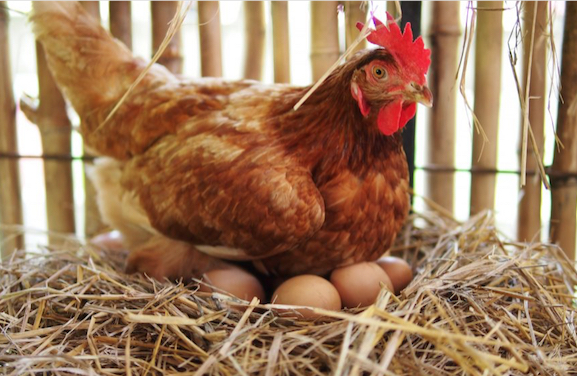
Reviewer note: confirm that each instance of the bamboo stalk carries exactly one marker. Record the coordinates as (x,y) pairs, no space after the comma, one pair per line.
(92,221)
(55,129)
(121,21)
(354,14)
(255,29)
(445,33)
(529,217)
(324,36)
(210,44)
(487,96)
(280,44)
(564,189)
(10,199)
(162,13)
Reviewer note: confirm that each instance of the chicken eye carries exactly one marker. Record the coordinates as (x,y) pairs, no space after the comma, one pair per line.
(379,72)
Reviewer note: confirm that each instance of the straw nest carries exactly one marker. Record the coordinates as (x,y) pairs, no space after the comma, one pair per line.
(478,305)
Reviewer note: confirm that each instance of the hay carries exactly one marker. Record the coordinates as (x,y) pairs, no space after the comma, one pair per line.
(478,305)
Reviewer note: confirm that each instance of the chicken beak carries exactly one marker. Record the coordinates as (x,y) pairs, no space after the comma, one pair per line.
(421,94)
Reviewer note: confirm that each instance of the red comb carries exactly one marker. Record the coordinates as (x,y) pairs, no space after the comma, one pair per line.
(411,54)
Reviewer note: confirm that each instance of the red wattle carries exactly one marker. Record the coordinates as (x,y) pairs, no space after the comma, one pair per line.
(395,116)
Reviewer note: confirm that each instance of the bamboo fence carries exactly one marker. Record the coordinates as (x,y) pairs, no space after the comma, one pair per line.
(210,43)
(324,36)
(254,30)
(443,38)
(162,13)
(92,221)
(281,41)
(121,21)
(564,169)
(10,199)
(535,17)
(51,117)
(487,97)
(445,32)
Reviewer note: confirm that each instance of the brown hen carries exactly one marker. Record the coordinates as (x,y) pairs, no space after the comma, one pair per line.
(199,171)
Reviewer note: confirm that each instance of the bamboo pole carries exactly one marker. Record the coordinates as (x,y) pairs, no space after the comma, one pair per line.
(210,44)
(487,97)
(10,199)
(92,221)
(354,14)
(280,41)
(529,217)
(162,13)
(445,33)
(121,21)
(55,129)
(564,169)
(255,29)
(324,36)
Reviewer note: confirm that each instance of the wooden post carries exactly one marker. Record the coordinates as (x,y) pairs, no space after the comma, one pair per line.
(10,200)
(445,47)
(92,221)
(324,36)
(254,30)
(121,21)
(487,96)
(55,129)
(354,14)
(280,41)
(529,217)
(564,169)
(209,31)
(162,13)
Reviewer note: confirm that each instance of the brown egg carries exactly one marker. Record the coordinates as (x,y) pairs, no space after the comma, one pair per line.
(235,281)
(112,240)
(399,271)
(307,290)
(360,284)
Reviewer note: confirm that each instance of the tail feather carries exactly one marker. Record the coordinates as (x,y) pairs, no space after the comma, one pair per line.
(93,69)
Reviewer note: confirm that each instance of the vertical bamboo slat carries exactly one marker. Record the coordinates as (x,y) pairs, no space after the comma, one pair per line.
(55,129)
(487,97)
(564,187)
(162,13)
(324,36)
(280,41)
(92,221)
(529,217)
(254,28)
(121,21)
(354,14)
(10,199)
(445,47)
(210,44)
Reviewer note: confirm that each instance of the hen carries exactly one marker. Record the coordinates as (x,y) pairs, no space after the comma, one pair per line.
(200,171)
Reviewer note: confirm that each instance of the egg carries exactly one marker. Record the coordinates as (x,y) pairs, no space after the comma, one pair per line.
(235,281)
(112,240)
(307,290)
(360,284)
(399,272)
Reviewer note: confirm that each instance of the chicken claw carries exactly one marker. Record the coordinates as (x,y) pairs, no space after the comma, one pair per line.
(161,257)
